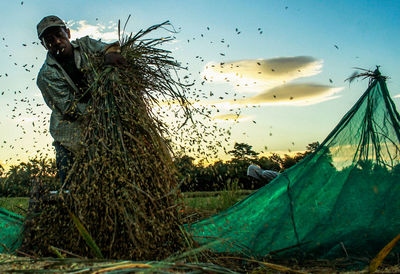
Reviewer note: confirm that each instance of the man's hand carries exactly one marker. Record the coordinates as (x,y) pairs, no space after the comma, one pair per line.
(114,59)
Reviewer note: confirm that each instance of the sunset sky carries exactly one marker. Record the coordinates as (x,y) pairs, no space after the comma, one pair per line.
(274,69)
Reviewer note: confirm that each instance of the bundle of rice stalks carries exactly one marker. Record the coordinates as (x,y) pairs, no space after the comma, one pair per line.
(124,192)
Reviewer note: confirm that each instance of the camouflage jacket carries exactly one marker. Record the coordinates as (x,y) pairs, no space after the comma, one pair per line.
(61,94)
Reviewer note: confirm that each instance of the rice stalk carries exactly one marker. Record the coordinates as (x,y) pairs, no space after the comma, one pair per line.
(377,261)
(55,251)
(123,185)
(85,235)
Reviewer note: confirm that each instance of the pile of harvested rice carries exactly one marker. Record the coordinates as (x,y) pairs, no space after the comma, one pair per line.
(124,198)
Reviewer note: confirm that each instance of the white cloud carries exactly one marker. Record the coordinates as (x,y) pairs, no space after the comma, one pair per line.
(260,74)
(231,118)
(396,96)
(269,80)
(99,31)
(285,95)
(293,94)
(289,95)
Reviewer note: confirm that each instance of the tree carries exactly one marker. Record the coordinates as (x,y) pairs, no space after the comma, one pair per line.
(311,148)
(20,178)
(289,161)
(243,151)
(276,158)
(268,163)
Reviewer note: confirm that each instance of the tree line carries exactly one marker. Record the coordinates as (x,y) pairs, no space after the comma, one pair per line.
(233,173)
(19,179)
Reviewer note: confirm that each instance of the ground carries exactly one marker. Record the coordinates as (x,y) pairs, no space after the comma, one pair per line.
(197,206)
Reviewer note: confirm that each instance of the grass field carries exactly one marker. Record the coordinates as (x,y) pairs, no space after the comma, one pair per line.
(17,205)
(209,202)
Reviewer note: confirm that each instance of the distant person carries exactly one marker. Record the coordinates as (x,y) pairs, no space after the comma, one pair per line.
(63,85)
(261,175)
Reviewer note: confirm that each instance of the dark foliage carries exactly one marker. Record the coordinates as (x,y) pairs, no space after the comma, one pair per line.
(198,177)
(20,179)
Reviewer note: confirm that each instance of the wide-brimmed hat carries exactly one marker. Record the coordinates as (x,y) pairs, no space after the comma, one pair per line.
(48,22)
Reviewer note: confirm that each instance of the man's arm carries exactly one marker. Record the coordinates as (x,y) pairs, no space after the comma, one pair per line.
(112,52)
(113,55)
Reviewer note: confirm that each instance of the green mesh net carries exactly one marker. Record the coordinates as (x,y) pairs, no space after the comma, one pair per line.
(340,201)
(11,226)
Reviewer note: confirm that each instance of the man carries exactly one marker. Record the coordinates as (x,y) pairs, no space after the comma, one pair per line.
(63,86)
(261,175)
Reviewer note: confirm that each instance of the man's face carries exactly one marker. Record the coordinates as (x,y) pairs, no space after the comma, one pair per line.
(56,41)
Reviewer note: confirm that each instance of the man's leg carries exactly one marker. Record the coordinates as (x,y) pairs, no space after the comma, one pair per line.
(64,161)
